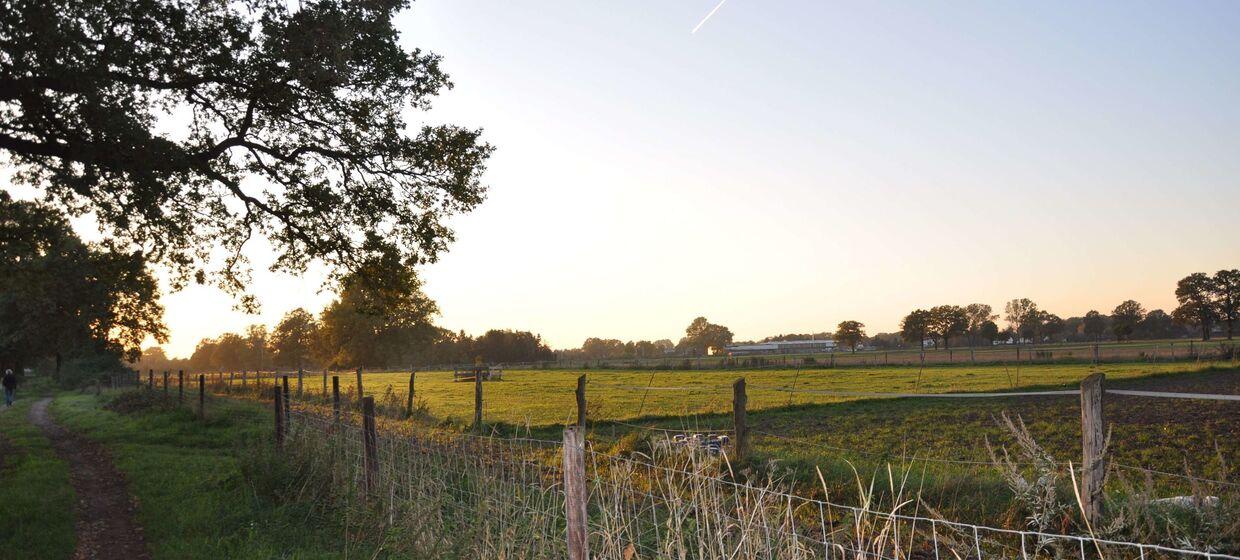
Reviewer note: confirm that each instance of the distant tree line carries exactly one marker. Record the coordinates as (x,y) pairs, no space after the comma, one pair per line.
(370,324)
(1206,304)
(390,325)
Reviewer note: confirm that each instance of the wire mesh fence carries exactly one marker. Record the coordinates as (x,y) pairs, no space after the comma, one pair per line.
(470,495)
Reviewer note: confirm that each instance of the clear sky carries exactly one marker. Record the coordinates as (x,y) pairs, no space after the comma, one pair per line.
(795,164)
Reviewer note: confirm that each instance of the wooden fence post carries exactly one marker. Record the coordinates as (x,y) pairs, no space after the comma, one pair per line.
(165,383)
(336,398)
(581,401)
(300,374)
(478,399)
(739,401)
(575,492)
(1093,446)
(360,392)
(324,383)
(150,379)
(409,396)
(180,386)
(202,397)
(287,401)
(370,457)
(279,408)
(244,374)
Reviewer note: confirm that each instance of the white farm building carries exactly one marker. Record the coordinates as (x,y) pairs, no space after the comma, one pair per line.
(781,347)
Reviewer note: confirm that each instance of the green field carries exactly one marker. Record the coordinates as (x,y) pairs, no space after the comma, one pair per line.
(544,397)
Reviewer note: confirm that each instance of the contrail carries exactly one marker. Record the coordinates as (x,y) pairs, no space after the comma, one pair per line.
(712,12)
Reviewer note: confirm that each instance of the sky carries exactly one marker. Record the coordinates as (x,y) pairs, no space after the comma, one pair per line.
(795,164)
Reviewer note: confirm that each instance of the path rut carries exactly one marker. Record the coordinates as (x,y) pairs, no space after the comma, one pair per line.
(104,513)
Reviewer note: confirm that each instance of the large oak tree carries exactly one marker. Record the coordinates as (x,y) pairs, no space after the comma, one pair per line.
(189,128)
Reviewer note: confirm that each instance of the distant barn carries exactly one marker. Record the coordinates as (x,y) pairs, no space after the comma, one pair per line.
(781,347)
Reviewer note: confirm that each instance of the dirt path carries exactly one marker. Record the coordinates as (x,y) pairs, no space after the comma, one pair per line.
(104,514)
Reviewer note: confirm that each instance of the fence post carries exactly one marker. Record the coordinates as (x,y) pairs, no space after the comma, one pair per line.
(287,401)
(324,383)
(202,397)
(739,401)
(370,445)
(477,399)
(279,406)
(1093,444)
(575,494)
(300,373)
(360,392)
(244,376)
(150,379)
(581,401)
(180,386)
(336,398)
(165,383)
(409,397)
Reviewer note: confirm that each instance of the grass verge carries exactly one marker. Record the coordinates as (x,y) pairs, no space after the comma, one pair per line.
(187,475)
(36,499)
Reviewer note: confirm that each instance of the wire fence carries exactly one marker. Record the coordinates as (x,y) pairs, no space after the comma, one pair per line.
(470,495)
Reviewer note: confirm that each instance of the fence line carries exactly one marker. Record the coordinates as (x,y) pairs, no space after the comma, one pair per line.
(783,537)
(643,506)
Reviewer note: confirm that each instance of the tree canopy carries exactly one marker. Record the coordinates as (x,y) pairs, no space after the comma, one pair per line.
(1125,318)
(850,334)
(293,340)
(947,321)
(295,119)
(1227,297)
(702,336)
(1195,293)
(63,298)
(915,326)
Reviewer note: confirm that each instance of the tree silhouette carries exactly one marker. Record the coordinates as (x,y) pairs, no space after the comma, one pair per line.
(295,120)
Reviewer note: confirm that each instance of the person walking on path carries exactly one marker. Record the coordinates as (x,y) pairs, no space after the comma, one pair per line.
(10,386)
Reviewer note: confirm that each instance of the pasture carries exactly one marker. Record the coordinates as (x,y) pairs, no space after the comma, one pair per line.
(1155,443)
(1147,432)
(536,398)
